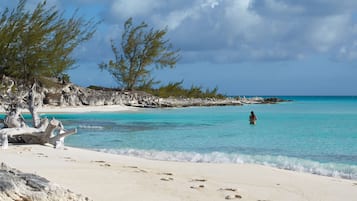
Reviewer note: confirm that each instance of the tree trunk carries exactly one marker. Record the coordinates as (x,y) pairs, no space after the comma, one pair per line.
(33,106)
(14,118)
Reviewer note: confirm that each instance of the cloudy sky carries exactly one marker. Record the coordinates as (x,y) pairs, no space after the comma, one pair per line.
(243,47)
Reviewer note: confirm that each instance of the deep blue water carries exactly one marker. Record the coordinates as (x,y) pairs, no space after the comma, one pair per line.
(311,134)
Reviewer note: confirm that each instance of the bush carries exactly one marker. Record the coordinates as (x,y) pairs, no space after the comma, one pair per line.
(178,91)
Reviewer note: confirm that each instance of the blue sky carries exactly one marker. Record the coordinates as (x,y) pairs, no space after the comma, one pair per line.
(243,47)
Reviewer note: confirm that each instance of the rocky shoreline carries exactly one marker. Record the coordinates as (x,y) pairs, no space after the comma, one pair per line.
(16,185)
(72,95)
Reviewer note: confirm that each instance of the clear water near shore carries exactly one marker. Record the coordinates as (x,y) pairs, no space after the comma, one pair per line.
(310,134)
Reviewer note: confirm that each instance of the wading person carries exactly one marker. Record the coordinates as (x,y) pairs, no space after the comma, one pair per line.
(252,118)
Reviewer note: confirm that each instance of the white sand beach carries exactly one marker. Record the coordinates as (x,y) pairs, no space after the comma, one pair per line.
(81,109)
(108,177)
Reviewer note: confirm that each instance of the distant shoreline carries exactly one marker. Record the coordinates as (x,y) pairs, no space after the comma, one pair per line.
(164,103)
(82,109)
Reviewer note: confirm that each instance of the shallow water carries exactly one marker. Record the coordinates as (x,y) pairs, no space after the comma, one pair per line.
(310,134)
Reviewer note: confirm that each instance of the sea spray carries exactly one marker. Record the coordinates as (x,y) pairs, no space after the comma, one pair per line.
(281,162)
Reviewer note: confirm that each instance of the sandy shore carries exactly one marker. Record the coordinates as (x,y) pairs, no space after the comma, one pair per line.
(81,109)
(108,177)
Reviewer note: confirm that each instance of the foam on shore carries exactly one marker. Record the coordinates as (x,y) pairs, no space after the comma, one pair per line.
(112,177)
(281,162)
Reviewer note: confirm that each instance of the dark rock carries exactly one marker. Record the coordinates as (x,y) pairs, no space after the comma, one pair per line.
(273,100)
(15,185)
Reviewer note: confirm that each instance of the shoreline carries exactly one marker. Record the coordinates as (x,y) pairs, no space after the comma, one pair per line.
(314,167)
(162,103)
(82,109)
(104,176)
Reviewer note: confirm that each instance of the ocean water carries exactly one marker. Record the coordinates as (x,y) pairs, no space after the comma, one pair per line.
(310,134)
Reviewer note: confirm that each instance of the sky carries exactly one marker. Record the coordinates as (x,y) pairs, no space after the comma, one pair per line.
(243,47)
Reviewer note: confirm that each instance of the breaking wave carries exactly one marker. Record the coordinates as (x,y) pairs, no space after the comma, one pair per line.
(91,127)
(289,163)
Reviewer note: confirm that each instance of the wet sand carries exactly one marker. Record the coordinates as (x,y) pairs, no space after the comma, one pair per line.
(109,177)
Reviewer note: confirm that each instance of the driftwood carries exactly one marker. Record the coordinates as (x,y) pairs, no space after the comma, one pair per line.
(15,130)
(13,118)
(51,132)
(34,100)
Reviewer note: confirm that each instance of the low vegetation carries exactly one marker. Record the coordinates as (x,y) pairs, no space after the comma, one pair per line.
(175,90)
(178,91)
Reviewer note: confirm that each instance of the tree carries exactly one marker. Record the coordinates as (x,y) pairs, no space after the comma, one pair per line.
(37,44)
(141,49)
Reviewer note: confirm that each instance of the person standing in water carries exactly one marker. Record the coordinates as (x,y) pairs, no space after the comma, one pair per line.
(252,118)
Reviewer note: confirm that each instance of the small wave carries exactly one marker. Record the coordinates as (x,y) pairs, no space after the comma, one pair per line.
(282,162)
(91,127)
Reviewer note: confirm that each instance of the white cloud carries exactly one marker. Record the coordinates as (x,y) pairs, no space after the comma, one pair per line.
(133,8)
(189,11)
(329,31)
(235,30)
(241,21)
(174,19)
(211,3)
(348,52)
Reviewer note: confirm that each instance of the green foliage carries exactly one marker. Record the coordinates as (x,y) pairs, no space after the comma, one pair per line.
(95,87)
(65,78)
(178,91)
(36,44)
(141,48)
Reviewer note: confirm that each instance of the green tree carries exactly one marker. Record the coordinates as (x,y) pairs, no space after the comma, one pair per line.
(38,43)
(141,50)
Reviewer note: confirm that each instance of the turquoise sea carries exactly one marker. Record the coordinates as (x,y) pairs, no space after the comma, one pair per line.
(310,134)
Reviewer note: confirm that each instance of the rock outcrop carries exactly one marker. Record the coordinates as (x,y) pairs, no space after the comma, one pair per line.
(69,94)
(72,95)
(15,185)
(188,102)
(273,100)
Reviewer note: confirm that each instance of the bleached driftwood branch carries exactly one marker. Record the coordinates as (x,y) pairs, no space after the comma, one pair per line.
(13,100)
(42,135)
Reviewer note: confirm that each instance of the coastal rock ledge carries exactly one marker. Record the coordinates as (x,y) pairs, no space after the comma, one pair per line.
(64,94)
(18,186)
(73,95)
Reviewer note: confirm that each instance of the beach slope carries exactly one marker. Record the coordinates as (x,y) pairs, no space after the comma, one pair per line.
(109,177)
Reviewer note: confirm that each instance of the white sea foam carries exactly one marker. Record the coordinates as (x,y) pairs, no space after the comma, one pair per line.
(282,162)
(85,126)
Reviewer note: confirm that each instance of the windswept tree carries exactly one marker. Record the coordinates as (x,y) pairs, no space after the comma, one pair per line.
(37,44)
(142,49)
